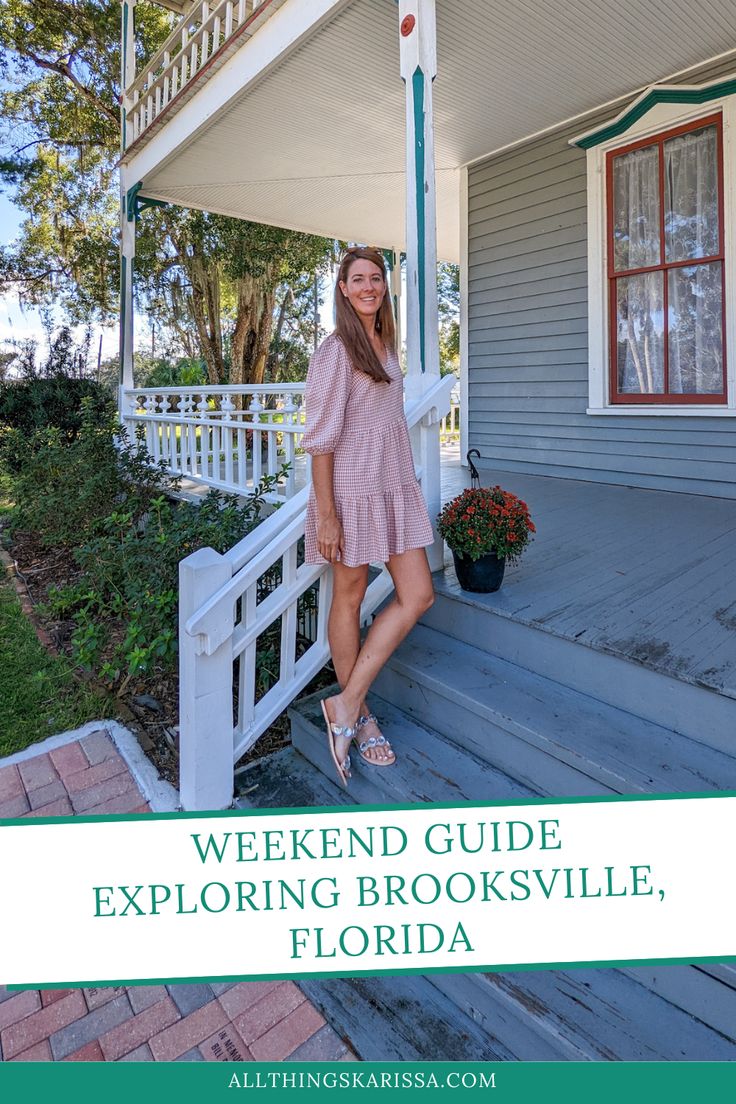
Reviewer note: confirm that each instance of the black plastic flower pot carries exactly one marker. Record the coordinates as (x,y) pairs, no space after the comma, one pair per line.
(481,576)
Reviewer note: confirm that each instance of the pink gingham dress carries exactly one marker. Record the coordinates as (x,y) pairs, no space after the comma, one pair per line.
(377,497)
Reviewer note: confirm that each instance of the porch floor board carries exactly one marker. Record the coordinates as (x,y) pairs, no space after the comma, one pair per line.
(646,575)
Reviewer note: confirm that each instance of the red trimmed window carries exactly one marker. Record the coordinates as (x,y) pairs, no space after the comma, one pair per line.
(665,267)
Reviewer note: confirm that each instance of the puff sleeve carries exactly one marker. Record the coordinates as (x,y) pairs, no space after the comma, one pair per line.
(326,396)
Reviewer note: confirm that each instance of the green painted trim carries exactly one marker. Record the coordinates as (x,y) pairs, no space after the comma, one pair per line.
(408,806)
(136,203)
(131,201)
(349,972)
(656,96)
(417,84)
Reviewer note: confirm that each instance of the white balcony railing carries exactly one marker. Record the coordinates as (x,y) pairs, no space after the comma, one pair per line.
(224,610)
(229,437)
(206,35)
(226,437)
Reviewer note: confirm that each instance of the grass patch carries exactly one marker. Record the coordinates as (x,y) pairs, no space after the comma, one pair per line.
(39,695)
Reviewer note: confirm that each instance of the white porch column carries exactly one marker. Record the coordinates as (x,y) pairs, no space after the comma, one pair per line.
(395,289)
(127,228)
(418,59)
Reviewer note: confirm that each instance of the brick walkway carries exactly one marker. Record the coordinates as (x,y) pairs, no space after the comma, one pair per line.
(247,1021)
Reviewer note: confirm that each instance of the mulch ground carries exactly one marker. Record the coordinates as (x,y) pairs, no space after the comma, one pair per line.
(149,705)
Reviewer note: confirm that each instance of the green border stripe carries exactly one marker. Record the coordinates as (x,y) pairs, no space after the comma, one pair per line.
(302,810)
(656,96)
(490,968)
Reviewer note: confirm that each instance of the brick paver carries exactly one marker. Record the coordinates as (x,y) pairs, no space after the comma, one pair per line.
(40,1025)
(41,1052)
(62,807)
(285,1036)
(11,784)
(69,759)
(18,1007)
(91,1052)
(218,1022)
(225,1046)
(130,1034)
(74,1035)
(268,1011)
(188,1033)
(143,996)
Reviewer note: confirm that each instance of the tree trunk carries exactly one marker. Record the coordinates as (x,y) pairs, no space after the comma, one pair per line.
(252,333)
(205,305)
(274,362)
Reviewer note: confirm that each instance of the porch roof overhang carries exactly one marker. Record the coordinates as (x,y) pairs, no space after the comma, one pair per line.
(303,126)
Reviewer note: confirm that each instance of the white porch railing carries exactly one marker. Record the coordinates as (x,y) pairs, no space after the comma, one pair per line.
(450,424)
(226,437)
(221,620)
(203,34)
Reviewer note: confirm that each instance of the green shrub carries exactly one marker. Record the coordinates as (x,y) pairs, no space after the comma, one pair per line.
(130,575)
(65,490)
(29,406)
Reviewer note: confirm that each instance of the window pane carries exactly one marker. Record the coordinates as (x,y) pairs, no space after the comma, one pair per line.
(691,195)
(636,238)
(695,307)
(640,334)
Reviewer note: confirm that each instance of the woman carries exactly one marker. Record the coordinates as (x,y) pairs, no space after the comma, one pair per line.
(365,504)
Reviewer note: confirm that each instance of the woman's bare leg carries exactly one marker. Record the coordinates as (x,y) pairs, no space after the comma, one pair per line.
(414,595)
(343,631)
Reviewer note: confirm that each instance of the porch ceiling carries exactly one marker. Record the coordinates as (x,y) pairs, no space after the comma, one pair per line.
(317,143)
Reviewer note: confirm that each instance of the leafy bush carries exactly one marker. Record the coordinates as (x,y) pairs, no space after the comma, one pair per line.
(130,576)
(65,490)
(28,406)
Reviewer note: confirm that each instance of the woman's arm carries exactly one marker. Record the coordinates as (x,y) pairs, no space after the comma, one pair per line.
(329,529)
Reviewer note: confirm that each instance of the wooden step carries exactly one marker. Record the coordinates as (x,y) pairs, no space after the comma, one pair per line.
(579,1014)
(591,1014)
(428,767)
(491,623)
(549,737)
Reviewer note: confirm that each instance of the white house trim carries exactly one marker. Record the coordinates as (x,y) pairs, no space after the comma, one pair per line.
(661,117)
(464,344)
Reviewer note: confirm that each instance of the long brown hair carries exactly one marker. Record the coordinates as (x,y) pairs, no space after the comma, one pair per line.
(348,326)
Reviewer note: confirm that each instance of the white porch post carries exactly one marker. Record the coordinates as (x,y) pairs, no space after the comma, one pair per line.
(395,289)
(418,58)
(127,227)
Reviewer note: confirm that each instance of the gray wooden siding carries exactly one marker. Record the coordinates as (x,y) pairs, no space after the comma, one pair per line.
(528,337)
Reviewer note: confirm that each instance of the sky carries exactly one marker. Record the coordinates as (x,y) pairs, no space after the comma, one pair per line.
(26,323)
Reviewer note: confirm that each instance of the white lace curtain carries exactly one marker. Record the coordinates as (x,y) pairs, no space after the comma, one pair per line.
(694,292)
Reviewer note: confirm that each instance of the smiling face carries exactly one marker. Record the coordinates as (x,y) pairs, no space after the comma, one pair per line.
(364,288)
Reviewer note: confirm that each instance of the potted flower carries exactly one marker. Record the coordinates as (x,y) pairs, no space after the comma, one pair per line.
(485,527)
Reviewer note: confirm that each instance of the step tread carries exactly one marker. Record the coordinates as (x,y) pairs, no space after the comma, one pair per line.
(531,1015)
(428,768)
(625,751)
(602,1014)
(404,1018)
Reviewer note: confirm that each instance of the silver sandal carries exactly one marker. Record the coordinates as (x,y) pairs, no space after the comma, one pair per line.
(371,742)
(343,769)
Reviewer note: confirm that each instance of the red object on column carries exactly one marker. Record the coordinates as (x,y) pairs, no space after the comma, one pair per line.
(408,24)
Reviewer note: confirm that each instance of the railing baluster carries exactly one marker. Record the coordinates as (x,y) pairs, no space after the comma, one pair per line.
(247,671)
(287,658)
(228,19)
(242,457)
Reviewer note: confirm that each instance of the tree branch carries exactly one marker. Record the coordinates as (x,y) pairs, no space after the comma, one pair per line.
(63,69)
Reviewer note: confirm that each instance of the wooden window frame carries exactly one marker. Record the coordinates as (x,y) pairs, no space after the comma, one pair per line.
(665,397)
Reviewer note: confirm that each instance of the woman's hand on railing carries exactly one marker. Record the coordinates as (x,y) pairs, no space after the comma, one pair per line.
(330,538)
